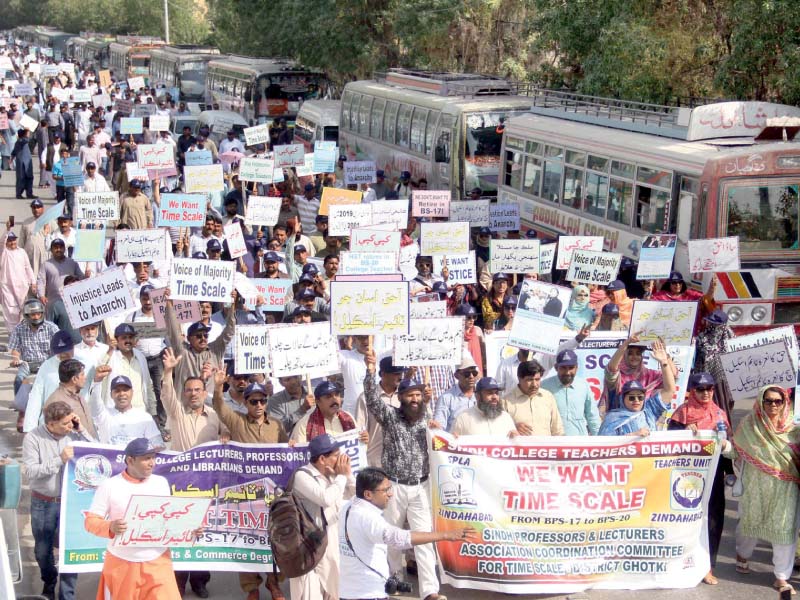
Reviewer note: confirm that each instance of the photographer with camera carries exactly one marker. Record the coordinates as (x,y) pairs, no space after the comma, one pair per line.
(364,538)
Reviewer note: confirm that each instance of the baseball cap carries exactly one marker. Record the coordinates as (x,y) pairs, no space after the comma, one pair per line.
(408,385)
(254,388)
(484,231)
(325,388)
(120,380)
(305,294)
(90,165)
(310,269)
(632,386)
(61,342)
(700,379)
(615,286)
(11,236)
(145,289)
(213,245)
(200,255)
(198,327)
(530,234)
(466,310)
(567,358)
(124,329)
(300,248)
(718,317)
(499,277)
(380,173)
(37,203)
(139,447)
(306,278)
(510,301)
(301,310)
(57,242)
(323,444)
(272,257)
(487,383)
(386,366)
(440,287)
(309,186)
(675,276)
(611,309)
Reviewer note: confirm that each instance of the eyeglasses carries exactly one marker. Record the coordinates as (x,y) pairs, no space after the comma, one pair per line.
(257,402)
(471,373)
(635,398)
(203,336)
(780,402)
(388,488)
(705,388)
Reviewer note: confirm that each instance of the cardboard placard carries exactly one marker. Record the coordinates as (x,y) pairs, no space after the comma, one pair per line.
(430,203)
(262,210)
(96,206)
(369,307)
(448,238)
(357,172)
(143,245)
(587,266)
(197,279)
(514,256)
(568,243)
(715,255)
(103,296)
(182,210)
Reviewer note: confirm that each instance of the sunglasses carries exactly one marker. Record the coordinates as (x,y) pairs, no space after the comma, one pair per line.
(472,373)
(706,388)
(257,402)
(203,336)
(780,402)
(635,398)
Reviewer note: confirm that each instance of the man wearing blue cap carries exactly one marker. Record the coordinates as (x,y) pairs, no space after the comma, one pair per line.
(575,400)
(321,488)
(131,572)
(50,280)
(307,206)
(390,377)
(271,261)
(403,187)
(128,360)
(379,187)
(327,416)
(487,417)
(33,242)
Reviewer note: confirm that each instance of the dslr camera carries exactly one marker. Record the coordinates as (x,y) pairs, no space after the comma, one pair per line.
(394,586)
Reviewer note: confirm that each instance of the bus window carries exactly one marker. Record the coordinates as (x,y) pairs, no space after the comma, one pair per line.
(621,169)
(390,122)
(347,98)
(404,125)
(376,124)
(513,169)
(443,143)
(596,194)
(551,186)
(765,217)
(533,175)
(430,131)
(654,177)
(597,163)
(354,111)
(418,129)
(651,209)
(573,187)
(620,195)
(330,133)
(576,158)
(363,115)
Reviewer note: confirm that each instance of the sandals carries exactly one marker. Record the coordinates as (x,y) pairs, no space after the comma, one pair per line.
(742,567)
(709,579)
(782,587)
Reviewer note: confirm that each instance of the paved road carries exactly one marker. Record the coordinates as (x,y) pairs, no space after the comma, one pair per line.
(225,585)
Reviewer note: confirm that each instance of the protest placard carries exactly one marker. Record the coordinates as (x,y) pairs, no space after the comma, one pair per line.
(673,322)
(142,245)
(430,203)
(101,100)
(144,110)
(252,349)
(331,196)
(90,244)
(715,255)
(197,279)
(306,349)
(82,96)
(655,256)
(123,107)
(539,319)
(369,307)
(136,83)
(205,178)
(427,310)
(274,291)
(26,89)
(262,210)
(394,212)
(260,170)
(91,300)
(186,311)
(247,290)
(359,171)
(182,210)
(444,238)
(105,78)
(28,123)
(289,155)
(430,342)
(460,268)
(96,206)
(162,521)
(132,171)
(343,218)
(198,157)
(568,243)
(235,239)
(49,216)
(325,156)
(504,217)
(749,370)
(371,239)
(155,156)
(514,256)
(588,266)
(474,212)
(72,171)
(158,123)
(50,70)
(367,263)
(256,135)
(762,338)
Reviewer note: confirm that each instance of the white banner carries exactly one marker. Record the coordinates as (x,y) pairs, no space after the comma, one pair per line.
(474,212)
(588,266)
(568,243)
(262,210)
(673,322)
(716,255)
(158,123)
(430,342)
(749,370)
(431,203)
(96,206)
(514,256)
(203,179)
(390,211)
(198,279)
(235,239)
(91,300)
(256,135)
(308,348)
(762,338)
(342,218)
(369,307)
(446,238)
(461,268)
(655,256)
(367,263)
(251,349)
(143,245)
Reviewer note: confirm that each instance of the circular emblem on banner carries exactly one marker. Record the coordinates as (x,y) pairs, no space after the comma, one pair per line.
(92,470)
(687,489)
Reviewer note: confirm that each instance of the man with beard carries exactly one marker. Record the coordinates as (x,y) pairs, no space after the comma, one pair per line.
(405,461)
(487,417)
(127,360)
(461,396)
(390,376)
(271,271)
(574,398)
(327,416)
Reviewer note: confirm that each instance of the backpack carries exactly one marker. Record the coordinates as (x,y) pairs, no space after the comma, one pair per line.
(297,543)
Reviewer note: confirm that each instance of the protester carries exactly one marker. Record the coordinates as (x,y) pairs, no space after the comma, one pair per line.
(135,209)
(123,422)
(390,376)
(50,280)
(533,410)
(617,295)
(609,320)
(492,303)
(473,335)
(579,314)
(328,416)
(125,359)
(29,342)
(292,403)
(16,278)
(23,162)
(32,241)
(627,364)
(460,397)
(711,344)
(506,320)
(487,417)
(576,403)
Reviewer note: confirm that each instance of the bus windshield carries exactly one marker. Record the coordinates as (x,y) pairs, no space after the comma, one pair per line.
(765,217)
(140,61)
(484,136)
(196,75)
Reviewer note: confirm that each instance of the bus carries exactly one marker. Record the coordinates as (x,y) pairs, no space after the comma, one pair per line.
(44,37)
(445,127)
(91,50)
(263,89)
(589,166)
(317,121)
(182,67)
(129,56)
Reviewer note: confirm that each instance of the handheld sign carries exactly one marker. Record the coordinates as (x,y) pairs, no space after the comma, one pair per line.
(158,123)
(370,239)
(367,263)
(308,348)
(260,170)
(262,210)
(655,256)
(182,210)
(196,279)
(474,212)
(747,371)
(198,157)
(90,244)
(103,296)
(325,155)
(357,172)
(431,342)
(671,321)
(394,212)
(430,203)
(504,217)
(251,349)
(290,155)
(343,218)
(369,307)
(72,171)
(186,311)
(256,135)
(235,239)
(568,243)
(206,178)
(539,320)
(444,238)
(716,255)
(96,206)
(337,196)
(514,256)
(274,292)
(587,266)
(155,156)
(142,245)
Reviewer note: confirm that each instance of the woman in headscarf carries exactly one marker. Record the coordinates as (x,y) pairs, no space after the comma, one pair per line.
(16,278)
(766,441)
(710,345)
(492,303)
(640,408)
(701,413)
(579,314)
(617,295)
(674,290)
(627,364)
(473,335)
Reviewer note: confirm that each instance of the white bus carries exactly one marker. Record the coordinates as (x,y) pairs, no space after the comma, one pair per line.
(262,89)
(183,67)
(129,56)
(444,127)
(317,121)
(588,166)
(90,51)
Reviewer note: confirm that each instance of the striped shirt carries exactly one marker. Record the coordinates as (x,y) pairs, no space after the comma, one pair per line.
(307,209)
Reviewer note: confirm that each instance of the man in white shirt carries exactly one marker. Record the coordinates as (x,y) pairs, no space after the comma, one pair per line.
(231,143)
(351,364)
(92,182)
(122,423)
(487,417)
(83,123)
(364,538)
(89,348)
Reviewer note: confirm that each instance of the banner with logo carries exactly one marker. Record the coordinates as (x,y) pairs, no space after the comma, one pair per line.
(560,515)
(241,480)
